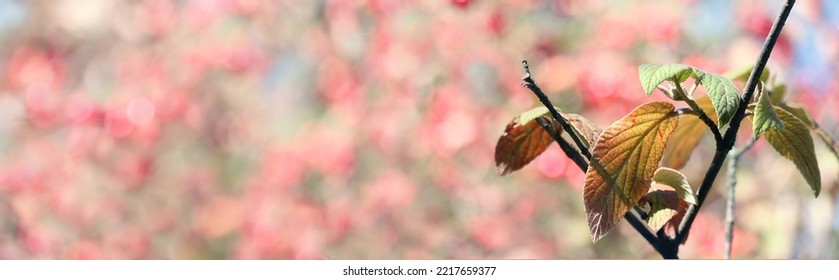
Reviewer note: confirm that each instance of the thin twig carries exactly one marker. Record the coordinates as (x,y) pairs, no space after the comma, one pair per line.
(660,245)
(733,160)
(731,134)
(528,82)
(566,147)
(699,112)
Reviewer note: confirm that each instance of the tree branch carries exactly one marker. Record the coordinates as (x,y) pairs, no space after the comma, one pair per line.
(528,82)
(698,111)
(733,161)
(566,147)
(660,245)
(731,134)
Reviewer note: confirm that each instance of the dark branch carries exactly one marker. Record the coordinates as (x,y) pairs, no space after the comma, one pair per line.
(528,82)
(710,124)
(566,147)
(731,134)
(660,245)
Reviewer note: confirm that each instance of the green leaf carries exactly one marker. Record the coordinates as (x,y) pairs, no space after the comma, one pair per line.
(686,137)
(652,75)
(519,145)
(676,180)
(795,143)
(777,94)
(724,96)
(765,117)
(623,162)
(799,112)
(534,113)
(803,115)
(742,73)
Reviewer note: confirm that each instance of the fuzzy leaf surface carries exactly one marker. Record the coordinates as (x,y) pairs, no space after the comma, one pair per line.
(652,75)
(765,117)
(623,162)
(724,95)
(795,143)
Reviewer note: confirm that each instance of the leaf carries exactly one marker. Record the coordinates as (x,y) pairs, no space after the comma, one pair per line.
(652,75)
(686,137)
(724,96)
(519,145)
(764,117)
(795,143)
(524,140)
(742,73)
(623,161)
(664,205)
(799,112)
(583,128)
(534,113)
(777,94)
(803,115)
(677,181)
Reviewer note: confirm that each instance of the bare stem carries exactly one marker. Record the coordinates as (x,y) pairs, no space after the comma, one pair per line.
(528,82)
(733,160)
(660,245)
(731,134)
(699,112)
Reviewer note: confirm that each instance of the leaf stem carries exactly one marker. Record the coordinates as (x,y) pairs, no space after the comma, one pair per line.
(731,134)
(528,82)
(698,111)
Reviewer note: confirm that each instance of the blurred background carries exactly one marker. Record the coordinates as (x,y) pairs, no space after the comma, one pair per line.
(247,129)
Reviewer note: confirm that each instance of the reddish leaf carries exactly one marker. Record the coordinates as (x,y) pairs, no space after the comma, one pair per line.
(519,145)
(624,160)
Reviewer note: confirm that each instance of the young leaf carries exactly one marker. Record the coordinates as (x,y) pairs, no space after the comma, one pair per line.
(534,113)
(664,205)
(652,75)
(623,161)
(777,94)
(724,96)
(687,135)
(794,143)
(677,181)
(765,117)
(742,73)
(519,145)
(803,115)
(583,128)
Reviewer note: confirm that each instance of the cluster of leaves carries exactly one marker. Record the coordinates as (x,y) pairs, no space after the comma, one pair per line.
(624,168)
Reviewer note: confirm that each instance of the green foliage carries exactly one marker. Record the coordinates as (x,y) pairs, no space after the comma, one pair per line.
(652,75)
(765,117)
(795,143)
(724,96)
